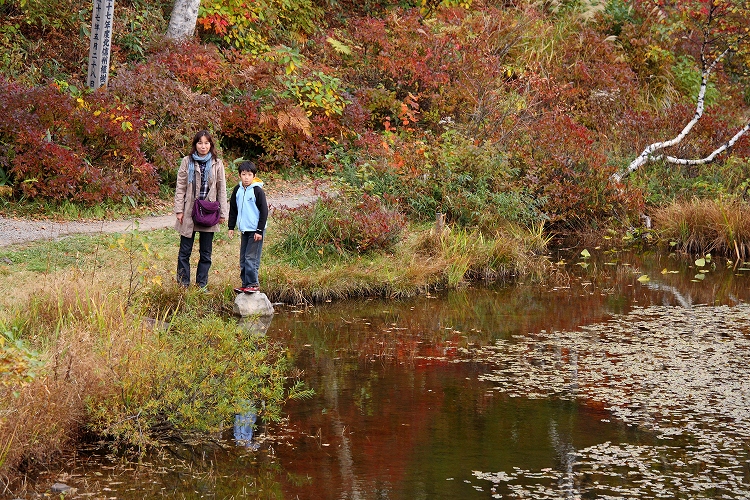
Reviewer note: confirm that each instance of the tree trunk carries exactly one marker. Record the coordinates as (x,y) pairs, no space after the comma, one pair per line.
(183,19)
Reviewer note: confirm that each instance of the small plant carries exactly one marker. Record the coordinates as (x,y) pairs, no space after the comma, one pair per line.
(317,92)
(339,226)
(19,365)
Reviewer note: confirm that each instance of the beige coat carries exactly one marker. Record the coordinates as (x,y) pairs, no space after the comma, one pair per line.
(184,197)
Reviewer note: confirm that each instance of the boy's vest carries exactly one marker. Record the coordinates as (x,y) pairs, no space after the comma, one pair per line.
(247,211)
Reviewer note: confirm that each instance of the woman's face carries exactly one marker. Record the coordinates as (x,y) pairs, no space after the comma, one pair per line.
(203,146)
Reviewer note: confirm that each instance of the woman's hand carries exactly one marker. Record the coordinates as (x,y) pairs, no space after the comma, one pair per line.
(179,217)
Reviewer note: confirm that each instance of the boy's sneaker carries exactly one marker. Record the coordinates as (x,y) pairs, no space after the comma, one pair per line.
(251,289)
(239,289)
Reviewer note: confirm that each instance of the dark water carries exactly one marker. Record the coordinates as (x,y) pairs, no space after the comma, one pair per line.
(400,413)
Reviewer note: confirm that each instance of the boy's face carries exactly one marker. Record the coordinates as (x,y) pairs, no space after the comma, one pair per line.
(247,177)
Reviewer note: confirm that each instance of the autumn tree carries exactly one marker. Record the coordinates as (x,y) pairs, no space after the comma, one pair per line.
(720,31)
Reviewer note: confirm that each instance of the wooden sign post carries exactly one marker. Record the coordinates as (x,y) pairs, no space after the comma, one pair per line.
(102,20)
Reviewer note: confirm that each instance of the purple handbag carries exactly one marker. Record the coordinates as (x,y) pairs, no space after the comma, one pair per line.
(206,213)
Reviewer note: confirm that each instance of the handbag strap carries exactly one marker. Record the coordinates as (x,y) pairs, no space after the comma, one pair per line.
(195,196)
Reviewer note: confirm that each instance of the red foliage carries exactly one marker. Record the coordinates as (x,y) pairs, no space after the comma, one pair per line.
(250,127)
(560,162)
(356,226)
(200,67)
(175,112)
(82,150)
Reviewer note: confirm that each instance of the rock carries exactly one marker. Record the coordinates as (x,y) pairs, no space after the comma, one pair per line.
(257,325)
(253,304)
(60,488)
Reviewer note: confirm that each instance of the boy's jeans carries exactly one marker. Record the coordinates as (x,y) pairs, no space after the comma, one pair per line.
(250,251)
(205,246)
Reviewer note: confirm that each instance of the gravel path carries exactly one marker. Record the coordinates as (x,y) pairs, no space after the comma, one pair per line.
(16,231)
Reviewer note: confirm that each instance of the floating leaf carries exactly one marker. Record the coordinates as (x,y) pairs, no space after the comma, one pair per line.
(700,276)
(585,254)
(644,278)
(664,271)
(583,264)
(700,262)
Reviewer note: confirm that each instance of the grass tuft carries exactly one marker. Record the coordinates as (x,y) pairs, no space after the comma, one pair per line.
(707,226)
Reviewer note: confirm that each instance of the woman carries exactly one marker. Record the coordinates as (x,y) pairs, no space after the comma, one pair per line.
(201,175)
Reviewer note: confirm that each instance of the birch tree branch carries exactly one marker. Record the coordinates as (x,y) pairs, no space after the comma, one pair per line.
(712,156)
(648,153)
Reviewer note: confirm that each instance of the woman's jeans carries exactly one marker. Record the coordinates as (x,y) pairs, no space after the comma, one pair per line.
(250,251)
(205,247)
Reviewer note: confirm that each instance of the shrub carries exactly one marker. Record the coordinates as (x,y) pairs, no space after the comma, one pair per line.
(237,24)
(560,162)
(201,68)
(340,225)
(280,133)
(473,184)
(84,148)
(109,372)
(171,112)
(191,378)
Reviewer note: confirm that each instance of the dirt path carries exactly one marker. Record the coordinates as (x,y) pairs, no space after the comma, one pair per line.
(16,231)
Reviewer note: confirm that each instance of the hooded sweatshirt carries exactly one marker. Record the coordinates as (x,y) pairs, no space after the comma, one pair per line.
(248,209)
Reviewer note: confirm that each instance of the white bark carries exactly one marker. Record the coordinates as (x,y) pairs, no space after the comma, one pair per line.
(648,153)
(183,19)
(712,156)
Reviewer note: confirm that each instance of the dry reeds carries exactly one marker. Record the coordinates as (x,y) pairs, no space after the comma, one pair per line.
(70,332)
(707,226)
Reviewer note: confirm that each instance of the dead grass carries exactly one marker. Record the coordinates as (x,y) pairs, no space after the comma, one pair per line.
(77,332)
(707,226)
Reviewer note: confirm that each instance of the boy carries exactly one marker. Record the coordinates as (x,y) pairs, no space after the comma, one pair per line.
(248,210)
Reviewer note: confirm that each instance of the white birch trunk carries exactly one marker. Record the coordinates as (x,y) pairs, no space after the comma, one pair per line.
(183,19)
(648,153)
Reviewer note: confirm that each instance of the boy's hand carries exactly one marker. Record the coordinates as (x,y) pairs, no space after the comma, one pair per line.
(258,237)
(230,233)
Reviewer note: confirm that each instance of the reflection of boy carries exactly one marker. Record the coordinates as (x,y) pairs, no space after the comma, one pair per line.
(248,210)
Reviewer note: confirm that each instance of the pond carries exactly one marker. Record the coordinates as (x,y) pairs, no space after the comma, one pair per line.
(629,376)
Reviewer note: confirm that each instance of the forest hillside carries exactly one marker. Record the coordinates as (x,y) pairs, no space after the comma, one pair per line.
(518,111)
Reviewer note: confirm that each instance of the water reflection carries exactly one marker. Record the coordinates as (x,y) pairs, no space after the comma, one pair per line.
(400,414)
(257,325)
(244,426)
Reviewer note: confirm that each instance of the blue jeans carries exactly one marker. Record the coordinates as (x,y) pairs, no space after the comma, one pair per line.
(250,251)
(205,247)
